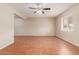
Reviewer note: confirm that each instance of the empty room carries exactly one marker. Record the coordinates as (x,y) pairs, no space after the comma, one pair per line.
(39,29)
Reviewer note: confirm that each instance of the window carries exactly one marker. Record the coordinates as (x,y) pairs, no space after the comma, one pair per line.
(67,24)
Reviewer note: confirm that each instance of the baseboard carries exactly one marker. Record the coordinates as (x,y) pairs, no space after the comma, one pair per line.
(34,35)
(69,41)
(7,44)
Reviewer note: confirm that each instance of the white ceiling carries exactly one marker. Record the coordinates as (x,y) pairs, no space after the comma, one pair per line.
(56,9)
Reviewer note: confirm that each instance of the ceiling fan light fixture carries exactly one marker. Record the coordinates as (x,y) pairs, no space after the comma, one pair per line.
(39,12)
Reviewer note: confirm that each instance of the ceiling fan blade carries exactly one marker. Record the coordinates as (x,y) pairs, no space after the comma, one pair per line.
(43,12)
(46,8)
(31,8)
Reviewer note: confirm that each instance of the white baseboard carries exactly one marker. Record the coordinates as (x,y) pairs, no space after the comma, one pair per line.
(34,35)
(76,44)
(7,44)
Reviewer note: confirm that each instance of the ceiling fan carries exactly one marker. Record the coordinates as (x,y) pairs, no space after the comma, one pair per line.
(39,8)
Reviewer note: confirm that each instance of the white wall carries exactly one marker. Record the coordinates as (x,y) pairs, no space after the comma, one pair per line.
(6,25)
(35,27)
(72,37)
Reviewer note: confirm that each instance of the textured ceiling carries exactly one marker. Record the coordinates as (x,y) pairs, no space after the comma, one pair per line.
(56,9)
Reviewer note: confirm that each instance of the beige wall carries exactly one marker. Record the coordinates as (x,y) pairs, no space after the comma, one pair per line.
(6,25)
(72,37)
(35,27)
